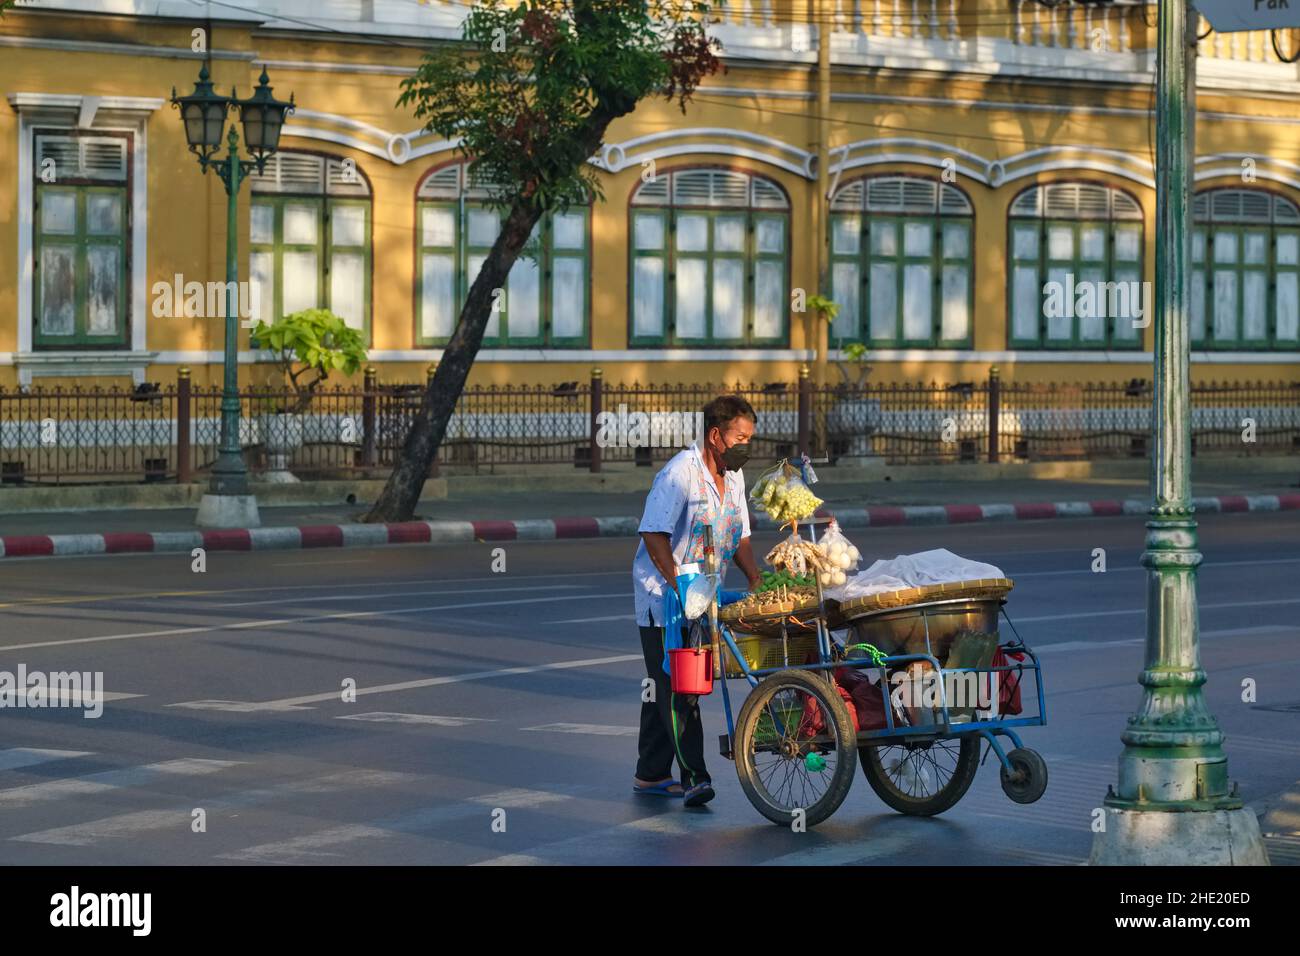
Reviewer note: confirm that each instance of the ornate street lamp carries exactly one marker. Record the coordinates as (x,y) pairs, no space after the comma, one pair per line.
(228,502)
(1173,804)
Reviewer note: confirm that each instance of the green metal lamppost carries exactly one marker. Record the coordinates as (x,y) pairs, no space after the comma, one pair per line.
(228,502)
(1173,804)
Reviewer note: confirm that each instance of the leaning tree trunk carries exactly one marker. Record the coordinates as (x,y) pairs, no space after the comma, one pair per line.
(402,492)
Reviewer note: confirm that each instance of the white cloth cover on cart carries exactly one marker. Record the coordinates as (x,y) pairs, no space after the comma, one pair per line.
(911,571)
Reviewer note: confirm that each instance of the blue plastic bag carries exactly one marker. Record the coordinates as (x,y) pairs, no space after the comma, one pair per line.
(673,623)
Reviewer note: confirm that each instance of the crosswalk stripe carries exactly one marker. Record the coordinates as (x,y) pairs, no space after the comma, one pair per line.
(318,846)
(608,841)
(386,717)
(17,757)
(1261,744)
(132,824)
(66,697)
(1043,857)
(598,730)
(333,841)
(840,854)
(108,780)
(290,703)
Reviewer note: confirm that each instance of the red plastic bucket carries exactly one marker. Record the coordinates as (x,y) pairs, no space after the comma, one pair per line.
(691,670)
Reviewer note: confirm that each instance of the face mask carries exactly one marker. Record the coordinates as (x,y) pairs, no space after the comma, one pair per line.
(734,458)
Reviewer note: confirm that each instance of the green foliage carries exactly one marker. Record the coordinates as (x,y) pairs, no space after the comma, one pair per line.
(855,358)
(315,341)
(855,352)
(825,307)
(531,90)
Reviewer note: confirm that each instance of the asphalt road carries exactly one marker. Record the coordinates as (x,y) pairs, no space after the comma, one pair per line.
(479,692)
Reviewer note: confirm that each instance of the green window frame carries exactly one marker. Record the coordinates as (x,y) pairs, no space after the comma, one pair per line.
(709,260)
(307,248)
(901,263)
(1075,248)
(1245,271)
(80,233)
(546,299)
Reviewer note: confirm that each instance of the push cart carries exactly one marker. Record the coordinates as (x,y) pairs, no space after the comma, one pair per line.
(796,742)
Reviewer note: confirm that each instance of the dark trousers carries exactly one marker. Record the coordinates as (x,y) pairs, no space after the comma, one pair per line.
(670,724)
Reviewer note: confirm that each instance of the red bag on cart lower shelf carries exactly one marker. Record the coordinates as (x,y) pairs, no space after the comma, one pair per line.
(865,704)
(1008,682)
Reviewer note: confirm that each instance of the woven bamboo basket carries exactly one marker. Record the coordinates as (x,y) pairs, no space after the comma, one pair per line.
(978,589)
(799,615)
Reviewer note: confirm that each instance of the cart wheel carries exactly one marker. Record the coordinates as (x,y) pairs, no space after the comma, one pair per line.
(1027,780)
(923,778)
(782,764)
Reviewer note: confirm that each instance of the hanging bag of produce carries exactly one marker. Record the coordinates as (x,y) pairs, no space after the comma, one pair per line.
(841,556)
(782,495)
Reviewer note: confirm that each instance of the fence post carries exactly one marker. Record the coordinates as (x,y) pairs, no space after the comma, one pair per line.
(597,396)
(805,411)
(184,462)
(428,381)
(368,436)
(994,409)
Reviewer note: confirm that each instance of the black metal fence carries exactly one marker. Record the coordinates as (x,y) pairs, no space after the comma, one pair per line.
(151,433)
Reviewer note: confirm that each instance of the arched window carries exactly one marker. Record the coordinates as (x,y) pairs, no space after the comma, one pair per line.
(309,236)
(1245,270)
(710,257)
(901,262)
(1076,268)
(545,301)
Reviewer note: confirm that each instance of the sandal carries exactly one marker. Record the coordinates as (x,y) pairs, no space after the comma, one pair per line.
(661,789)
(699,795)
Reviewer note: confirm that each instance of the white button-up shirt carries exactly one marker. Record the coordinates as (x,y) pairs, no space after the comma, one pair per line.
(671,509)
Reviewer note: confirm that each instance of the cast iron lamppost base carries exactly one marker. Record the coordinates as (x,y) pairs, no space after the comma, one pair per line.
(228,502)
(1173,805)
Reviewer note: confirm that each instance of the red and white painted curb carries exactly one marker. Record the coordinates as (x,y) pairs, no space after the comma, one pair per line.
(551,529)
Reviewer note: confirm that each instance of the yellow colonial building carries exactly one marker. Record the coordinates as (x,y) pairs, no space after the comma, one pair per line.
(977,153)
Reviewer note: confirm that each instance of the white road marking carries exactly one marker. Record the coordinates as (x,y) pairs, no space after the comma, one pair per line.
(612,841)
(594,620)
(513,859)
(1043,858)
(127,825)
(1117,568)
(1070,615)
(333,695)
(520,798)
(387,717)
(332,841)
(840,854)
(1263,745)
(275,622)
(1083,645)
(109,780)
(67,697)
(1093,645)
(393,594)
(17,757)
(311,847)
(599,730)
(316,564)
